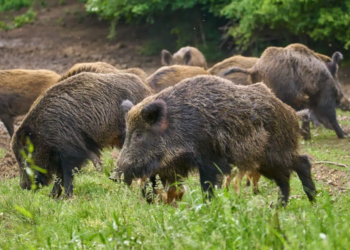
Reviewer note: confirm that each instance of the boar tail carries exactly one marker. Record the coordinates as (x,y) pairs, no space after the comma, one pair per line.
(232,70)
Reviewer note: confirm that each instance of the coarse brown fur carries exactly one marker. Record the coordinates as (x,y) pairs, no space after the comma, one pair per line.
(19,89)
(72,122)
(170,75)
(185,56)
(103,68)
(235,61)
(301,79)
(209,124)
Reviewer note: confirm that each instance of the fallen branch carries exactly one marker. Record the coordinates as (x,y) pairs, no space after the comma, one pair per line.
(333,163)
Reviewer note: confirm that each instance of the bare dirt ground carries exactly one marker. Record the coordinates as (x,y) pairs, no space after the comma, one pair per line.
(64,35)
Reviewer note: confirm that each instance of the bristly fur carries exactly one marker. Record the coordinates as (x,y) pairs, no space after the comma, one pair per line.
(301,78)
(234,61)
(74,120)
(171,75)
(102,68)
(190,56)
(19,89)
(212,129)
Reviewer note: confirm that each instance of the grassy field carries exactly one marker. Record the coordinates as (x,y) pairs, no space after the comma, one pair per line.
(106,215)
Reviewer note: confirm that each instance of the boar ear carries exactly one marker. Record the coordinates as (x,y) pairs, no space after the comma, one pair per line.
(127,105)
(155,112)
(166,57)
(187,57)
(337,57)
(332,65)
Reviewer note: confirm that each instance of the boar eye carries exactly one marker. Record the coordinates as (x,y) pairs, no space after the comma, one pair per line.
(138,135)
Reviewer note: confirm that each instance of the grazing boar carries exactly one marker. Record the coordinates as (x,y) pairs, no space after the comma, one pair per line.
(72,122)
(235,61)
(103,68)
(185,56)
(170,75)
(182,129)
(300,79)
(19,89)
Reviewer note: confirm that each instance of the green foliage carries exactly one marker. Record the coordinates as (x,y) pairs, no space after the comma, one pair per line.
(254,24)
(18,21)
(26,18)
(285,21)
(14,4)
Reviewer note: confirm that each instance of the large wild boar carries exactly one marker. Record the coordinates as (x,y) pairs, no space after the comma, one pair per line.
(185,56)
(170,75)
(300,79)
(103,68)
(235,61)
(182,129)
(19,89)
(72,122)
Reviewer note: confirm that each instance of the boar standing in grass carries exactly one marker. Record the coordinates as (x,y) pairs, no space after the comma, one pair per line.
(300,79)
(72,122)
(208,124)
(103,68)
(170,75)
(185,56)
(235,61)
(19,89)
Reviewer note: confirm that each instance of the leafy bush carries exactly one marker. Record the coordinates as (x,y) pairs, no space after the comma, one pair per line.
(28,17)
(252,24)
(14,4)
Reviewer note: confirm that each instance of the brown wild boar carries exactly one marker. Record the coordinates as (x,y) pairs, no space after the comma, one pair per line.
(190,56)
(235,61)
(300,79)
(72,122)
(182,129)
(170,75)
(19,88)
(103,68)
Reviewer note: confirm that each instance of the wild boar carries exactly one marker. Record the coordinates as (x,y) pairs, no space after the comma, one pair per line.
(182,129)
(235,61)
(72,122)
(300,79)
(19,88)
(103,68)
(171,75)
(190,56)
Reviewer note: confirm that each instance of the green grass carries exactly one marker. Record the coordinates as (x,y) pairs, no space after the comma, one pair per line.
(106,215)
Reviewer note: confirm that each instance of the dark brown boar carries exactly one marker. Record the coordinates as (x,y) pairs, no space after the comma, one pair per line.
(182,129)
(300,79)
(235,61)
(185,56)
(72,122)
(170,75)
(103,68)
(19,89)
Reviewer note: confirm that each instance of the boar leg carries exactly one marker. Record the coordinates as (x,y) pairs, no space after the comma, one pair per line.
(175,193)
(8,120)
(283,183)
(57,187)
(96,161)
(255,175)
(329,115)
(303,169)
(238,180)
(68,164)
